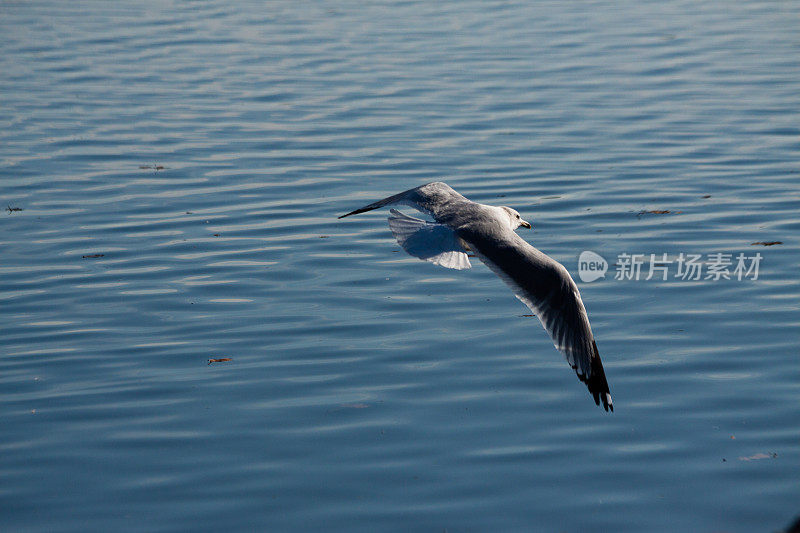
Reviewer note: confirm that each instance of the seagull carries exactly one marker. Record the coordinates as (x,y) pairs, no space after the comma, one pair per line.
(540,282)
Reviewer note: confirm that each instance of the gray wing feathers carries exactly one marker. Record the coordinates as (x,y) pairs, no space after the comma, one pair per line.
(436,199)
(547,289)
(428,241)
(560,311)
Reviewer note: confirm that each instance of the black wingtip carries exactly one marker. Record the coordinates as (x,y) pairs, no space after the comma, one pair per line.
(357,211)
(597,383)
(382,203)
(370,207)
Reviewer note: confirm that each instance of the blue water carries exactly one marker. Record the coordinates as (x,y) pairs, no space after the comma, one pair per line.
(178,168)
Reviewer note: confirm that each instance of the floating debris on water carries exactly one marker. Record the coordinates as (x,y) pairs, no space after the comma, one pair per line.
(220,360)
(13,209)
(343,406)
(656,212)
(354,405)
(767,243)
(758,456)
(93,256)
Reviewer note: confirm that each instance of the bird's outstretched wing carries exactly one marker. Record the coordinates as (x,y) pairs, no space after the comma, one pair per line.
(436,199)
(428,241)
(546,287)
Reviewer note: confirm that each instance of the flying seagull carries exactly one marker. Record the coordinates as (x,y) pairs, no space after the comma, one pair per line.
(540,282)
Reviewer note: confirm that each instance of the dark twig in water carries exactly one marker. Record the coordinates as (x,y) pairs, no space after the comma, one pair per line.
(656,212)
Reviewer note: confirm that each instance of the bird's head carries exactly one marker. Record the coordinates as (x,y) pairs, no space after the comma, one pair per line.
(514,218)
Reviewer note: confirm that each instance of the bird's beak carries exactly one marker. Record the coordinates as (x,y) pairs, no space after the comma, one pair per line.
(525,224)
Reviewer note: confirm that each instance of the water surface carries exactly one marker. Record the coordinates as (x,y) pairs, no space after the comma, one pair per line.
(179,168)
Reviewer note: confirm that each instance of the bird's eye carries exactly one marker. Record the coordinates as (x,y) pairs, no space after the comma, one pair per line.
(517,216)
